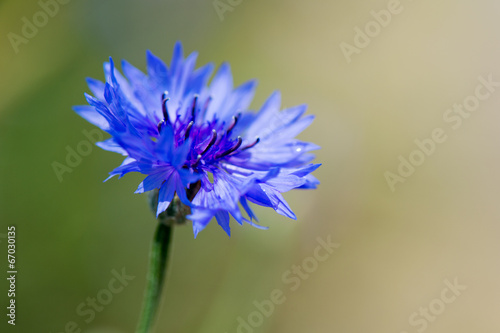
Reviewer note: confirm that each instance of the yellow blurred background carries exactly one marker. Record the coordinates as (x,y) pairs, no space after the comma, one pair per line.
(400,251)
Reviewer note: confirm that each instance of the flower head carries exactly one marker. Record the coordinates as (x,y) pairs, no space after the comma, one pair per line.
(199,141)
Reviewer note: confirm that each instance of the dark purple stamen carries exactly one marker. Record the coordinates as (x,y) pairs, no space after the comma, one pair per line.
(188,129)
(193,109)
(164,109)
(252,144)
(211,143)
(164,100)
(198,159)
(232,149)
(234,122)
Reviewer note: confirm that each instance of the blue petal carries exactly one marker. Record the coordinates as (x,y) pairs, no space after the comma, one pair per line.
(164,147)
(188,176)
(157,71)
(238,101)
(294,129)
(306,170)
(92,116)
(221,86)
(223,220)
(128,165)
(200,78)
(111,96)
(96,87)
(181,190)
(244,204)
(259,197)
(103,110)
(263,122)
(267,155)
(177,59)
(139,148)
(141,91)
(134,75)
(179,85)
(109,70)
(200,218)
(181,154)
(124,92)
(255,225)
(111,145)
(154,181)
(279,203)
(165,195)
(311,182)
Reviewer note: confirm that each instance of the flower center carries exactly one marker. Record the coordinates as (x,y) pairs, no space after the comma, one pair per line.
(210,140)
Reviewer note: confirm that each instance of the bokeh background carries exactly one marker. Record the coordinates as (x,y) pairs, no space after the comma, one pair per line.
(396,248)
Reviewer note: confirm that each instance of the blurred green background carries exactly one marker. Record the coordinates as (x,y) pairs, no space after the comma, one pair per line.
(397,248)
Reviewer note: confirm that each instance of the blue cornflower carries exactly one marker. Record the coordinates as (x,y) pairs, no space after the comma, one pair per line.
(199,141)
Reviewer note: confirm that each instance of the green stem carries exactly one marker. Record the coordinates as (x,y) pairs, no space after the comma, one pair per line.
(156,276)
